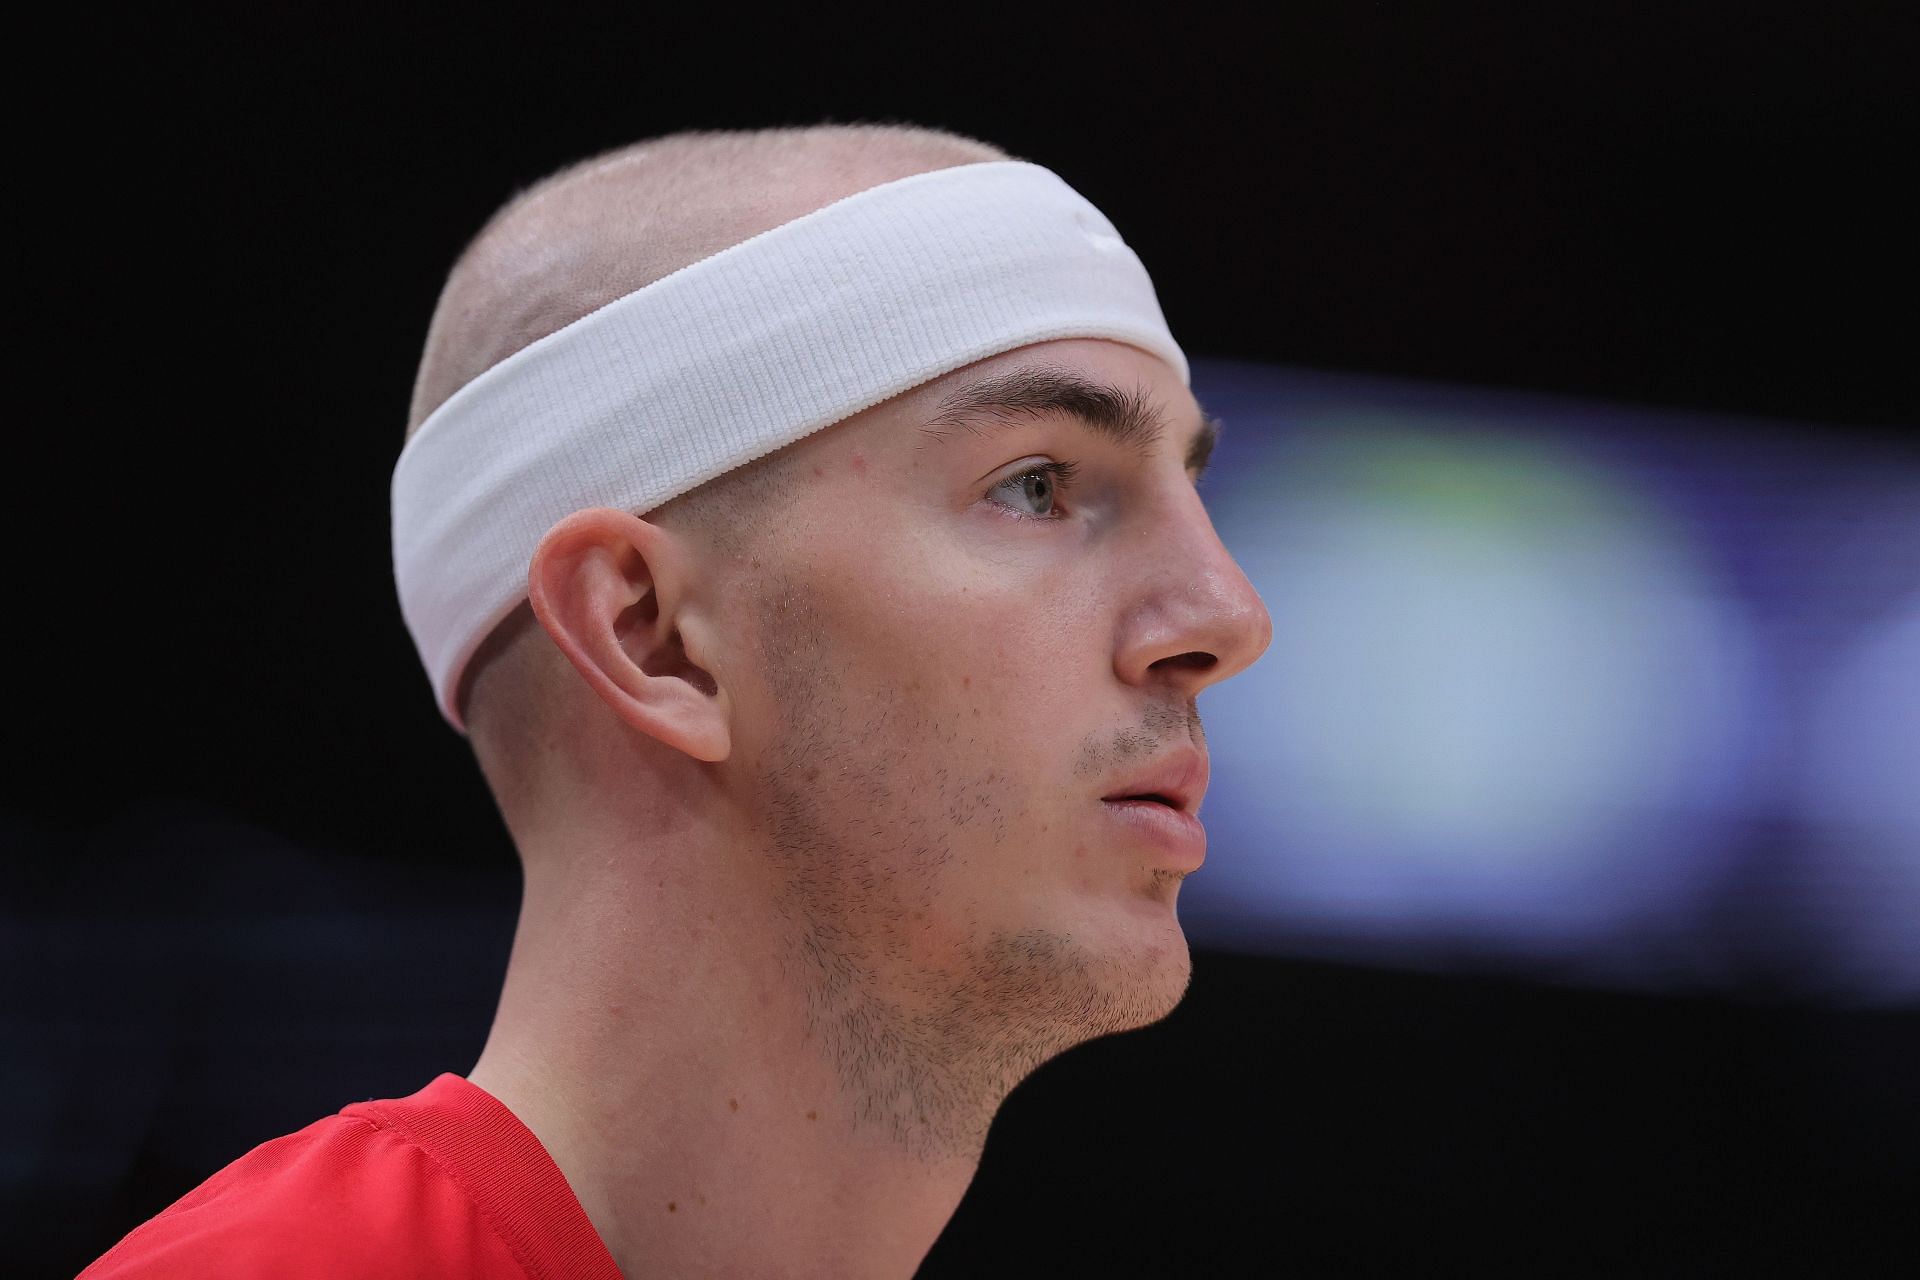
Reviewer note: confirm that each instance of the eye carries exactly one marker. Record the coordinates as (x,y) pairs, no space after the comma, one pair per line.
(1039,485)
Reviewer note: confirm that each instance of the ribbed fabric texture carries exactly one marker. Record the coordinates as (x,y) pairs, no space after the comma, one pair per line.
(738,355)
(504,1170)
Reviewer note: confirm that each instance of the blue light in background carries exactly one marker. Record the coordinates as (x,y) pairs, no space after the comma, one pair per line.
(1519,705)
(1856,791)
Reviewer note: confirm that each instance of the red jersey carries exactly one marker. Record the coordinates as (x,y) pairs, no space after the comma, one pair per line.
(447,1182)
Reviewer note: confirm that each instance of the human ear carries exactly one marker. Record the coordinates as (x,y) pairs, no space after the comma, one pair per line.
(610,589)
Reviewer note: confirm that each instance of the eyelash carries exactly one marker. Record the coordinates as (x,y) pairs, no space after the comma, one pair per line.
(1061,474)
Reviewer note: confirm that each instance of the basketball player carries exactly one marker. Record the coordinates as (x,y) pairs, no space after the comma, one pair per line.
(801,526)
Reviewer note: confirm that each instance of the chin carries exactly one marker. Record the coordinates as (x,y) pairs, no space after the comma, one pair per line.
(1091,985)
(1165,985)
(1150,962)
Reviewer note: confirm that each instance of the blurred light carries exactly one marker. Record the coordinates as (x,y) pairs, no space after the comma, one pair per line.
(1505,703)
(1858,790)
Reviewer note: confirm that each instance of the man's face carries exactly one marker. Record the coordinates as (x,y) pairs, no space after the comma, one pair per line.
(964,655)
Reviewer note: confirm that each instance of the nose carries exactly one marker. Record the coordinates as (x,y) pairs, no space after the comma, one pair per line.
(1192,619)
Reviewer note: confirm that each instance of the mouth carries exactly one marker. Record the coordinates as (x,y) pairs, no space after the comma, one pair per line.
(1176,782)
(1153,798)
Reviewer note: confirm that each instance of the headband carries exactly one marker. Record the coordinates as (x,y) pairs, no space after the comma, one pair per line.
(738,355)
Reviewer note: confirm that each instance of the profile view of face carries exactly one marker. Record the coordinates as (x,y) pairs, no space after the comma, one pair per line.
(974,625)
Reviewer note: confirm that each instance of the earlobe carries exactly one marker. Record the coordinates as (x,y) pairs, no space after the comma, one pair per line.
(609,588)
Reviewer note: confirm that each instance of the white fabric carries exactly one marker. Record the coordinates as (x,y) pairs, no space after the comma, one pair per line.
(738,355)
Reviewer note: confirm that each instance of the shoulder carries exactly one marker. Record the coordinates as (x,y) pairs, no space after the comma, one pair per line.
(343,1196)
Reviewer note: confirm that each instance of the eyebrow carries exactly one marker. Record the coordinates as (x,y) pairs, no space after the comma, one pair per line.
(1128,418)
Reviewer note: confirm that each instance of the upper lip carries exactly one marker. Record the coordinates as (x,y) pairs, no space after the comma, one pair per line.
(1179,778)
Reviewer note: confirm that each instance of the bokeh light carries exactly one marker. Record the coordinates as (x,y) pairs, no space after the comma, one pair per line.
(1525,703)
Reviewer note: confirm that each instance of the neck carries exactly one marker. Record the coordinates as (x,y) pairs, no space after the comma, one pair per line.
(688,1070)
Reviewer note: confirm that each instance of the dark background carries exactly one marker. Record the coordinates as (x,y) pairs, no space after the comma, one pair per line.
(253,877)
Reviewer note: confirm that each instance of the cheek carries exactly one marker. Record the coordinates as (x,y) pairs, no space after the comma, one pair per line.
(980,684)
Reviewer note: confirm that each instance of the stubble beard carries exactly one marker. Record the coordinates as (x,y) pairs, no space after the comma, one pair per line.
(925,1057)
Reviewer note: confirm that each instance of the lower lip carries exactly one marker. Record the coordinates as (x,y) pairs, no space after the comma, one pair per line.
(1178,834)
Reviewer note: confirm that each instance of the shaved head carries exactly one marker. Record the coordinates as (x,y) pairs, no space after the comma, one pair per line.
(592,233)
(599,229)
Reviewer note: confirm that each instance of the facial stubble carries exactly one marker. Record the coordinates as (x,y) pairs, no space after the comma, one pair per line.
(868,805)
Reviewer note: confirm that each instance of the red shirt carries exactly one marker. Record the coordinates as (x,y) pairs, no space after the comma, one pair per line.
(447,1182)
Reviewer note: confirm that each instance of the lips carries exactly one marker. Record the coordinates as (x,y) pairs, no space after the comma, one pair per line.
(1177,837)
(1178,781)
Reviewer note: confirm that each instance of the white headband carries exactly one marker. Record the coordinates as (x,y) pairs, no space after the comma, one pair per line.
(738,355)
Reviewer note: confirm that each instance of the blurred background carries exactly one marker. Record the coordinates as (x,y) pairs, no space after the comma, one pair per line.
(1562,909)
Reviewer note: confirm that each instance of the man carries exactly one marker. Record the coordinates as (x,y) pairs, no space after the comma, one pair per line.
(802,525)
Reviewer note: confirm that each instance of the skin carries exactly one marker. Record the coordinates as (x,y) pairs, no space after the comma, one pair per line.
(817,863)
